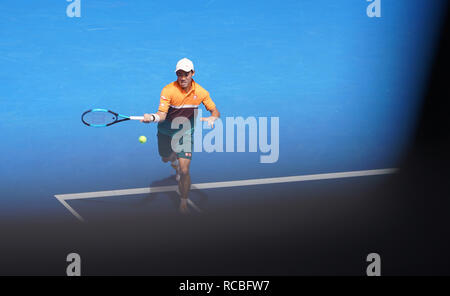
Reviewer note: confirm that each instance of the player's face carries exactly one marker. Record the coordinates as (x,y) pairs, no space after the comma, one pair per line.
(184,78)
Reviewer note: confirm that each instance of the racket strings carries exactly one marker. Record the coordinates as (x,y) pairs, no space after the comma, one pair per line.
(99,117)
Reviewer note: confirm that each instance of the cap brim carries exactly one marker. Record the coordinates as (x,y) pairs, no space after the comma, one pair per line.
(185,70)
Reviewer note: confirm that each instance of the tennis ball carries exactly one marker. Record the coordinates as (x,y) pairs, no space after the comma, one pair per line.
(142,139)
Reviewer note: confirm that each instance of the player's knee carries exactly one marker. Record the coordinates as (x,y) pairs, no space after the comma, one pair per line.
(165,159)
(184,171)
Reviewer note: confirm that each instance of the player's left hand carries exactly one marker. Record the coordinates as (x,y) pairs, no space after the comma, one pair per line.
(210,120)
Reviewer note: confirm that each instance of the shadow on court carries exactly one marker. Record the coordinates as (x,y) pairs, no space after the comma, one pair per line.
(309,229)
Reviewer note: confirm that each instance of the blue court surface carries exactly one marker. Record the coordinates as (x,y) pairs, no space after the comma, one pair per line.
(345,88)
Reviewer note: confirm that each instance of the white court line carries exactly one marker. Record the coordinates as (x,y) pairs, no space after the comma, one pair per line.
(146,190)
(64,203)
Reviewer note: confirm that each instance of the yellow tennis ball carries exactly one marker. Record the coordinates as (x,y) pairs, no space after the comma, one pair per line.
(142,139)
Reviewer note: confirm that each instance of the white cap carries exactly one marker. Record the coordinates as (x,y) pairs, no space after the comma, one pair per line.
(185,64)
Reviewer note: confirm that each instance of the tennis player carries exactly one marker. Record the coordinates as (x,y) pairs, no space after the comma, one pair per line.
(180,99)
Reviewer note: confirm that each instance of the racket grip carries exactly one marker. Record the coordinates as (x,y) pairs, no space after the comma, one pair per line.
(136,117)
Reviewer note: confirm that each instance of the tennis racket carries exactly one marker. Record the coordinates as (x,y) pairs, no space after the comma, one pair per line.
(103,118)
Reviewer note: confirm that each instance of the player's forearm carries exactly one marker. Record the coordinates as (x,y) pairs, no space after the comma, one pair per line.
(155,117)
(162,116)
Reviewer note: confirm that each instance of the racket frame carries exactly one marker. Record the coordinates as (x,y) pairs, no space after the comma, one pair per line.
(119,117)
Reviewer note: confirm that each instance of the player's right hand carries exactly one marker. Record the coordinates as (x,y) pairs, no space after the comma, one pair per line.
(147,118)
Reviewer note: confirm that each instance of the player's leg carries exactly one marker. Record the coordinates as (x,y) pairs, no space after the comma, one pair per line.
(172,158)
(164,149)
(166,152)
(184,160)
(174,164)
(184,184)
